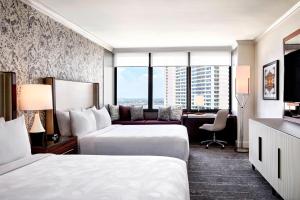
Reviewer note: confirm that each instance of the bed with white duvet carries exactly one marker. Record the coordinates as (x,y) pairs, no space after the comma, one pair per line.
(157,140)
(97,136)
(77,177)
(91,177)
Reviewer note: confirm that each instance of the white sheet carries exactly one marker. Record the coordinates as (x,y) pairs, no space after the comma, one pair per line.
(21,163)
(78,177)
(156,140)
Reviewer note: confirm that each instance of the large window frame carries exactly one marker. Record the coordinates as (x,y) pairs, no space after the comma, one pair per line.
(188,89)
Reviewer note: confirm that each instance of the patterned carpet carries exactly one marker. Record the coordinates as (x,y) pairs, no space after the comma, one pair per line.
(224,174)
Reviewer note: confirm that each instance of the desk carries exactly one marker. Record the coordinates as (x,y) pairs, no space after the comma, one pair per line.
(196,116)
(194,121)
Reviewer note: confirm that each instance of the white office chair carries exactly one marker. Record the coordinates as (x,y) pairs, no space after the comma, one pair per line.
(218,125)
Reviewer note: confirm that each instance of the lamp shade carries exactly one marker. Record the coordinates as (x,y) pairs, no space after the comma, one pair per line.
(242,79)
(36,97)
(199,100)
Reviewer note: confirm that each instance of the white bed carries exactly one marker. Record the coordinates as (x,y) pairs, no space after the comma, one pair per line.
(152,140)
(76,177)
(158,140)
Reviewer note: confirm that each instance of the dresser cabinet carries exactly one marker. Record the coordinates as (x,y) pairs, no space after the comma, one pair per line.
(274,150)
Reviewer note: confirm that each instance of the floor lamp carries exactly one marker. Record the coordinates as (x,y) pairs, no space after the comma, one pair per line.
(242,91)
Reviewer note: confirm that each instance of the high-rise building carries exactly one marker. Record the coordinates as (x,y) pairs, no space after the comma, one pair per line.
(175,82)
(212,83)
(208,81)
(169,86)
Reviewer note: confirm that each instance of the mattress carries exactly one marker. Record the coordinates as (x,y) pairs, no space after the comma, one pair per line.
(154,140)
(77,177)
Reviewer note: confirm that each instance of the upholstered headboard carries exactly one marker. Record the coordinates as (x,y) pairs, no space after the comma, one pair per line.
(67,95)
(8,96)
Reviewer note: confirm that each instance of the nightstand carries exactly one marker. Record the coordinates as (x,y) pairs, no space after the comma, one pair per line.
(65,145)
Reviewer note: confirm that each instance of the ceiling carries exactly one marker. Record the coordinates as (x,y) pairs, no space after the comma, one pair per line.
(171,23)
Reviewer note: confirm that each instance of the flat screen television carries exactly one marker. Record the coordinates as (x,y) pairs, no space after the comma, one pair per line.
(292,77)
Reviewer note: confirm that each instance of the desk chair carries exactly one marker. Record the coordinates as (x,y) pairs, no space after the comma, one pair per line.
(218,125)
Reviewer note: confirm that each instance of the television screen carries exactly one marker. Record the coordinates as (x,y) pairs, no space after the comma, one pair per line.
(292,76)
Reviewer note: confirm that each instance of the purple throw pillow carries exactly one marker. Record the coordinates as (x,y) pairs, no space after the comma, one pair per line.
(125,113)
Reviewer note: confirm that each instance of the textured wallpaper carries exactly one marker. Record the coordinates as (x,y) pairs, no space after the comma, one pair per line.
(35,46)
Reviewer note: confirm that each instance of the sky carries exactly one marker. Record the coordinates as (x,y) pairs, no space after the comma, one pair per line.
(133,82)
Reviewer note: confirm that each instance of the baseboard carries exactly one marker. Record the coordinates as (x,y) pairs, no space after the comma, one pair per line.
(245,144)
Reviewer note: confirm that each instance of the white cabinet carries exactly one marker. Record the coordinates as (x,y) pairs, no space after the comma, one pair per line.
(291,168)
(259,146)
(278,161)
(276,155)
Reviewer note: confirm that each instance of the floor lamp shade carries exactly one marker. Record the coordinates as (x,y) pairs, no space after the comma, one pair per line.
(35,97)
(242,79)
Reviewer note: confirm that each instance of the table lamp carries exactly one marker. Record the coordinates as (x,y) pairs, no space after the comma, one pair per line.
(36,97)
(199,101)
(242,91)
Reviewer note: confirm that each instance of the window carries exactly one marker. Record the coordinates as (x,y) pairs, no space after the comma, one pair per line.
(174,79)
(211,82)
(132,86)
(169,86)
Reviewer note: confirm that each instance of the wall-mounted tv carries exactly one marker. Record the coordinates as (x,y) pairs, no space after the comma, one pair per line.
(292,77)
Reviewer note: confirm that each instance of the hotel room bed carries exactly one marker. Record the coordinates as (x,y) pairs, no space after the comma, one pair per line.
(76,177)
(89,177)
(153,140)
(157,140)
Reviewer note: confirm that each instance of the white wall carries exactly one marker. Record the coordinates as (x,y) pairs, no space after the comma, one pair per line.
(269,48)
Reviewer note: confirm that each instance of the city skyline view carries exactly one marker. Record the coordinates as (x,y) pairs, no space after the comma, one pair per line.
(169,86)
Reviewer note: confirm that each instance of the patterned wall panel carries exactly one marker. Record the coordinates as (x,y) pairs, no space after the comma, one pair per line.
(35,46)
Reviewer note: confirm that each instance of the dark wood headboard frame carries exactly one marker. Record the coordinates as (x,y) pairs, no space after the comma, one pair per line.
(51,121)
(8,102)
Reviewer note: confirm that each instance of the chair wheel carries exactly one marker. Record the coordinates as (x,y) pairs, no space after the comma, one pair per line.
(222,147)
(206,147)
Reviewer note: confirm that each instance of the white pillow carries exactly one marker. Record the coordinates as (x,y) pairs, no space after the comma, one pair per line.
(102,118)
(2,121)
(82,122)
(14,141)
(64,122)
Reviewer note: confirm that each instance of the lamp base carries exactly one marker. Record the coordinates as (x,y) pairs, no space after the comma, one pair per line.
(38,139)
(242,150)
(37,126)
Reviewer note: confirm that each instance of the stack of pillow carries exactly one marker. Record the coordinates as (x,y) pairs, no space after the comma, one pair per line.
(126,113)
(82,121)
(133,113)
(169,113)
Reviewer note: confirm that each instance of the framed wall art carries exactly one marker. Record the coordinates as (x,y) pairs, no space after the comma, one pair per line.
(271,81)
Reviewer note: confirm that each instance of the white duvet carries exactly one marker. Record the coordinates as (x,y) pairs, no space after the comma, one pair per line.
(86,177)
(155,140)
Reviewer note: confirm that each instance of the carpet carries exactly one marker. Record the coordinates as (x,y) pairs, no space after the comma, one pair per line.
(216,173)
